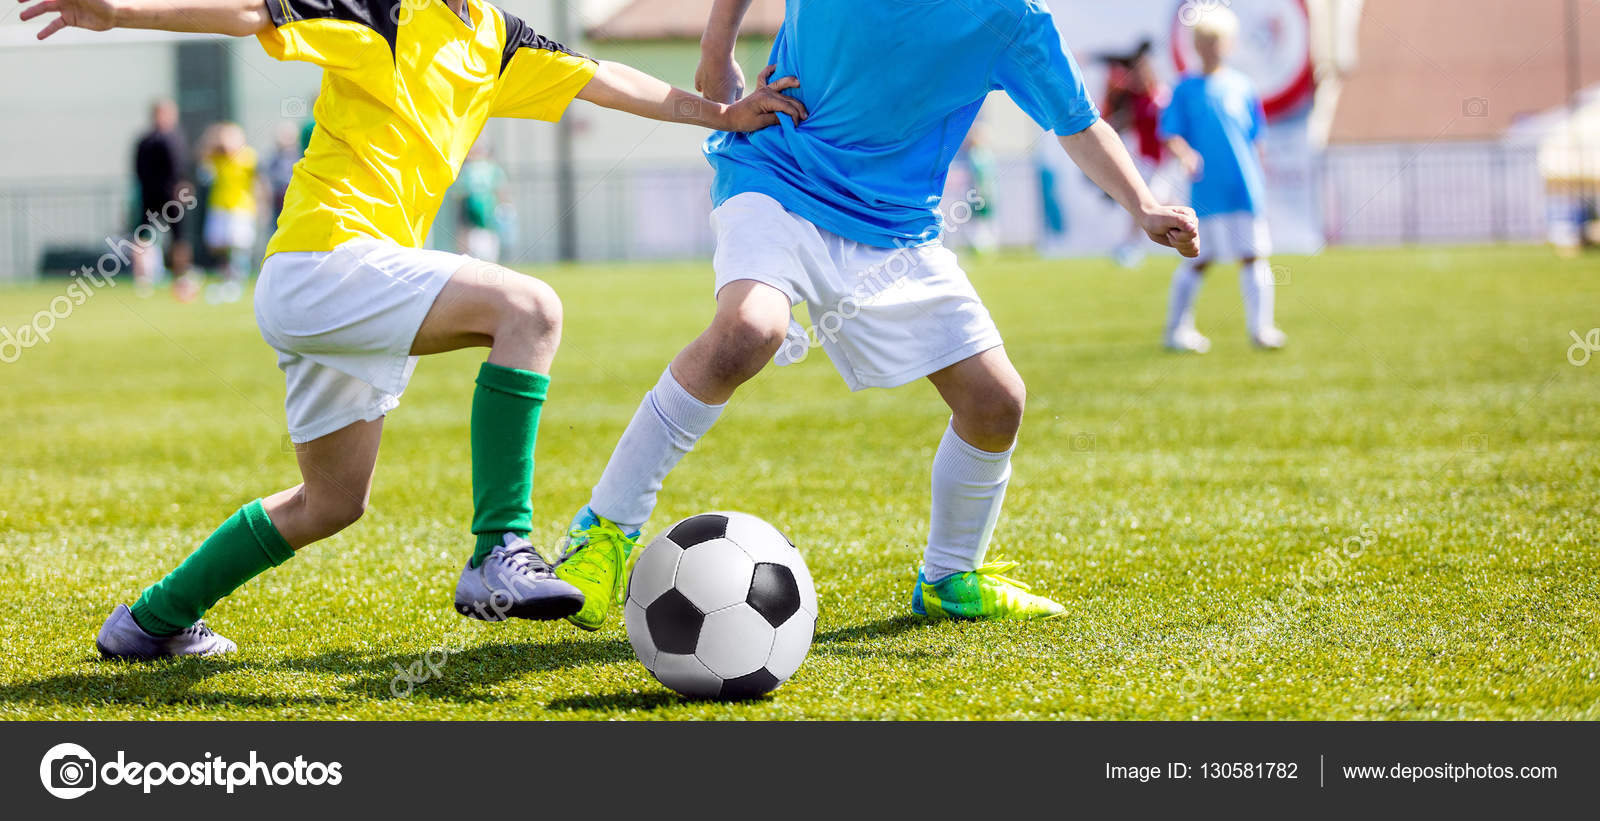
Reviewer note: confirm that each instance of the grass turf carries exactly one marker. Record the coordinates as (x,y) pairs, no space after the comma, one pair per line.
(1394,518)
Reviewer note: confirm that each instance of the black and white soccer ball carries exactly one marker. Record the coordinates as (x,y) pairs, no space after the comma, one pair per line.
(721,606)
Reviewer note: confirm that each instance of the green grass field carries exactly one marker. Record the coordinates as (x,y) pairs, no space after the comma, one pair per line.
(1397,517)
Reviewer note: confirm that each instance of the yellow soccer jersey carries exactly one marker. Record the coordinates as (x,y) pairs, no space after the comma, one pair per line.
(234,185)
(407,86)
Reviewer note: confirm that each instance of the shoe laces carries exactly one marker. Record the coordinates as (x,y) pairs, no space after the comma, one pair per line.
(995,571)
(520,558)
(587,563)
(197,630)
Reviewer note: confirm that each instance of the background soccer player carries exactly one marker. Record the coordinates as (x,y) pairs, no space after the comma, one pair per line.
(1213,126)
(1135,96)
(349,298)
(228,166)
(842,212)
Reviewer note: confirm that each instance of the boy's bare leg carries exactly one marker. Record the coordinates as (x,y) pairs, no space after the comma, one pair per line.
(970,472)
(751,322)
(519,319)
(483,305)
(973,463)
(336,472)
(486,306)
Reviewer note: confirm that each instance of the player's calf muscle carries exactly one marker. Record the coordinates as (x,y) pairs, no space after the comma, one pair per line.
(304,516)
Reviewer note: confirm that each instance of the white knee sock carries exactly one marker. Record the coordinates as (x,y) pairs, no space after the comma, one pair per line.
(664,428)
(1256,285)
(1180,310)
(969,486)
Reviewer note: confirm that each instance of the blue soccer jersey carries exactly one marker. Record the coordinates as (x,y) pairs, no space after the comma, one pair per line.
(892,87)
(1220,116)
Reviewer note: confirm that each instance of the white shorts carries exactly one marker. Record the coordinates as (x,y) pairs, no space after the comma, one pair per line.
(343,322)
(230,229)
(886,316)
(1235,236)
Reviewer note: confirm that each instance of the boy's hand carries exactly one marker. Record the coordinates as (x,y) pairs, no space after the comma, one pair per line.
(1173,226)
(719,78)
(1191,162)
(761,108)
(94,15)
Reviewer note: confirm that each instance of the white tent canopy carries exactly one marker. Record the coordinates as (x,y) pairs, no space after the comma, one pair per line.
(1568,142)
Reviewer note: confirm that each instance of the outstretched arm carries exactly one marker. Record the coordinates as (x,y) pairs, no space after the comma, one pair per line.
(719,76)
(236,18)
(1102,156)
(628,89)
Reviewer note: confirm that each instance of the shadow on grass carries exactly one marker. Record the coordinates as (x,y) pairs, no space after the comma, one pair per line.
(854,640)
(624,700)
(152,684)
(466,676)
(463,676)
(867,640)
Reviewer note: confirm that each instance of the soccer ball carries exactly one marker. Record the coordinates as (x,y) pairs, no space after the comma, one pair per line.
(721,606)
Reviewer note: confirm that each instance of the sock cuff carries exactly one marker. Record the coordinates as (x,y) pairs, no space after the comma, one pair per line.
(266,533)
(513,381)
(680,407)
(954,440)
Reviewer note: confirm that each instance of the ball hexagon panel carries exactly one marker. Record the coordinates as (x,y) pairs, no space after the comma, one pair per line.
(735,641)
(674,623)
(714,574)
(697,529)
(687,675)
(644,647)
(750,685)
(773,592)
(652,575)
(790,645)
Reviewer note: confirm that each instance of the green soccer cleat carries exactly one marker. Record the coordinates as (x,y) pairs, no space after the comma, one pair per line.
(981,594)
(595,561)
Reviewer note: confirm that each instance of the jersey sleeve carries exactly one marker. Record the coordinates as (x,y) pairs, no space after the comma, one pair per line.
(340,35)
(1037,70)
(1175,119)
(1258,116)
(538,76)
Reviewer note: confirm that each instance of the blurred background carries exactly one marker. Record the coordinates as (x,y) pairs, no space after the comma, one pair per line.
(1391,122)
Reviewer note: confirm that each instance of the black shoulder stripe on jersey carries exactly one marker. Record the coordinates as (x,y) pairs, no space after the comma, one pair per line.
(522,35)
(382,16)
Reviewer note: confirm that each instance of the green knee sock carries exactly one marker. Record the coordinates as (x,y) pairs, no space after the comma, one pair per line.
(246,545)
(505,426)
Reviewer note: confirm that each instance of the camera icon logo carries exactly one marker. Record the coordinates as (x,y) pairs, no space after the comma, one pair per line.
(67,771)
(294,108)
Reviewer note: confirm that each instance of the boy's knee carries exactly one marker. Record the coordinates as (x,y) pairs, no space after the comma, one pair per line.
(995,412)
(532,307)
(743,344)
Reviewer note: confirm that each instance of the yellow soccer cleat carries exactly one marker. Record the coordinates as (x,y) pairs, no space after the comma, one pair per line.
(595,561)
(981,594)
